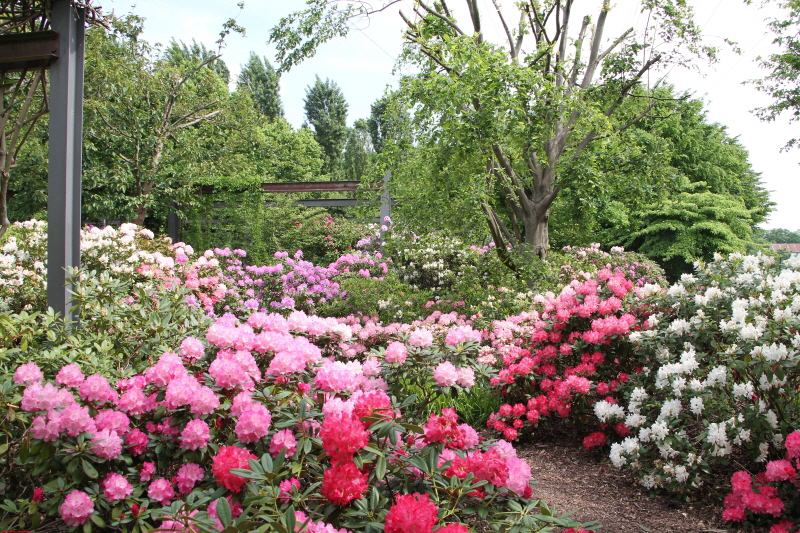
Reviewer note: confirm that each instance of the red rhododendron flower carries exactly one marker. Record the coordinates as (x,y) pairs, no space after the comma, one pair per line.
(411,513)
(343,483)
(488,466)
(231,457)
(342,436)
(598,438)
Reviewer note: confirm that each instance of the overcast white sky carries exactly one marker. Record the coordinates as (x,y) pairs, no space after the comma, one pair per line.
(362,65)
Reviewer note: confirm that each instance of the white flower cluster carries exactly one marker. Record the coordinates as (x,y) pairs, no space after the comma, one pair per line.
(737,312)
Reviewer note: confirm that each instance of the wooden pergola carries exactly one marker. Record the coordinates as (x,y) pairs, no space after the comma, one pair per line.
(61,50)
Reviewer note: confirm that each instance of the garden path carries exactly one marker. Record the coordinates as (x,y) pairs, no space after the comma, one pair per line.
(573,479)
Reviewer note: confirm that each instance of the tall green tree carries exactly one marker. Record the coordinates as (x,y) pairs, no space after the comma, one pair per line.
(326,112)
(519,116)
(263,82)
(388,121)
(782,84)
(692,225)
(676,145)
(779,235)
(179,52)
(359,153)
(143,123)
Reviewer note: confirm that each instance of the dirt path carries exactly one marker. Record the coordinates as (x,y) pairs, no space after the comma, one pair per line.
(572,479)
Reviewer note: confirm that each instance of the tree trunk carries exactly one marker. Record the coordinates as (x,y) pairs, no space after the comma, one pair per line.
(141,208)
(537,232)
(4,223)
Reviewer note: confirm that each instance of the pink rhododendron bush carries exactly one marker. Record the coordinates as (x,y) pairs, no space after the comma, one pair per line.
(254,425)
(567,357)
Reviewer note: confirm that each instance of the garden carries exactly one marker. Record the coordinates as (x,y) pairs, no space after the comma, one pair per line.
(387,390)
(471,360)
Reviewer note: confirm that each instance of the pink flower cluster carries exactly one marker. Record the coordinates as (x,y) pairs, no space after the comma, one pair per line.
(77,508)
(446,375)
(447,430)
(763,495)
(558,351)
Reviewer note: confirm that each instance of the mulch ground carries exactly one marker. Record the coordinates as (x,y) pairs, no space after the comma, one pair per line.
(570,478)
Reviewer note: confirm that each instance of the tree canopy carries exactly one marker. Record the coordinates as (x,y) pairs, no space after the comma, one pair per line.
(515,118)
(326,112)
(143,116)
(263,82)
(782,83)
(179,52)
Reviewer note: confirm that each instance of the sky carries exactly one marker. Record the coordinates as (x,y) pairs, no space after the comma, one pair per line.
(363,65)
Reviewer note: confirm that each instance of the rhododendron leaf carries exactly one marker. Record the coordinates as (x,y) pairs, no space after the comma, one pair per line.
(97,520)
(9,506)
(255,466)
(302,413)
(408,401)
(307,446)
(289,519)
(266,463)
(88,469)
(87,527)
(374,497)
(41,467)
(4,448)
(48,450)
(23,452)
(380,467)
(72,467)
(224,512)
(373,450)
(412,428)
(483,512)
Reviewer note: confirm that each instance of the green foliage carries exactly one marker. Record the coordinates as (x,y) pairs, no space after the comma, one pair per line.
(504,132)
(359,155)
(263,82)
(326,112)
(388,122)
(695,225)
(782,84)
(248,222)
(779,235)
(179,52)
(145,120)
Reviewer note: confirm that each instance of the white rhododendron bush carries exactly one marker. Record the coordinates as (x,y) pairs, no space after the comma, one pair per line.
(719,372)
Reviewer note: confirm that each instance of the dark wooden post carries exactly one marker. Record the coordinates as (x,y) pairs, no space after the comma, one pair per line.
(64,169)
(173,224)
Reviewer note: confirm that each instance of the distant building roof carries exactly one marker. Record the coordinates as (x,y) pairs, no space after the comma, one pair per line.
(792,247)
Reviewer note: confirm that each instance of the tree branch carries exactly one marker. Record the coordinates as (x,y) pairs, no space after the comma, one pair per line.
(438,15)
(597,36)
(511,48)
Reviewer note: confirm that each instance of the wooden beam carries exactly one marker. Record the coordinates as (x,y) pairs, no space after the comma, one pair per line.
(297,186)
(20,51)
